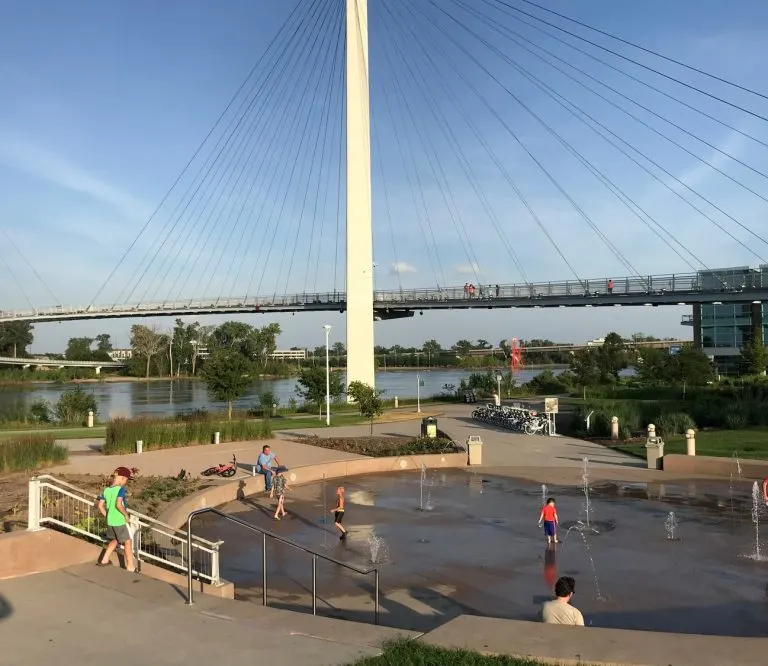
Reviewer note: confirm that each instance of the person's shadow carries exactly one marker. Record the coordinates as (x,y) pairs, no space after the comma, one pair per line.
(6,610)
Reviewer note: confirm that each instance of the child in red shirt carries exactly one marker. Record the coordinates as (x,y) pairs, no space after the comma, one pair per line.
(549,517)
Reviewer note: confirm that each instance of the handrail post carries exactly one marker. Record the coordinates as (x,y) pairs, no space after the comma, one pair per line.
(215,574)
(34,509)
(314,584)
(264,568)
(190,598)
(376,596)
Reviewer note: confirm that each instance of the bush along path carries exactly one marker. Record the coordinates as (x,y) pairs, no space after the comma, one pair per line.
(414,653)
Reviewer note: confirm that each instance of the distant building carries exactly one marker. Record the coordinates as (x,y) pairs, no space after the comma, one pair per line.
(289,354)
(720,330)
(118,355)
(597,342)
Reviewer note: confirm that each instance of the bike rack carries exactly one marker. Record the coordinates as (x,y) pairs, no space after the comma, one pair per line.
(264,534)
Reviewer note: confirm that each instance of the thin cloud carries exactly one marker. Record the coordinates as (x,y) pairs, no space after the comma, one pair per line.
(42,163)
(400,268)
(468,269)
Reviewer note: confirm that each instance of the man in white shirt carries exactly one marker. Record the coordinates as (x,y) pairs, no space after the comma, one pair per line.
(559,610)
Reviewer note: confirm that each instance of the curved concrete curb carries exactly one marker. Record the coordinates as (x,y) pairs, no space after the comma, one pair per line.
(177,513)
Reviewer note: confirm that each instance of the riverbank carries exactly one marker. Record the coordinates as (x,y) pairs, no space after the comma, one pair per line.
(110,379)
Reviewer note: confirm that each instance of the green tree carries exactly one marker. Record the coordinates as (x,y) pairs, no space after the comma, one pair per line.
(651,366)
(367,398)
(311,386)
(585,367)
(463,347)
(691,366)
(104,342)
(79,349)
(146,342)
(227,375)
(612,356)
(753,358)
(15,337)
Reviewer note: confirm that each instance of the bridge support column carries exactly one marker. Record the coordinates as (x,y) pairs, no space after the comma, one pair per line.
(360,364)
(697,325)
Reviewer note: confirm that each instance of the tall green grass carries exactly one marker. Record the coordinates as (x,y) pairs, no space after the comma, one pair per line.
(122,434)
(31,452)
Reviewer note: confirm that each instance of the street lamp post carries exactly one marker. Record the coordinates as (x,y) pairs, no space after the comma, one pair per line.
(418,393)
(327,328)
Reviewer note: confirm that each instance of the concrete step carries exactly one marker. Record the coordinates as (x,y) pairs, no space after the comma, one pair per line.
(91,615)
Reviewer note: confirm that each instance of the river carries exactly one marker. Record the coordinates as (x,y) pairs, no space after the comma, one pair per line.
(167,397)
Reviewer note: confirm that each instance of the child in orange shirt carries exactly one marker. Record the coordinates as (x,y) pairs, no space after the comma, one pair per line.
(549,517)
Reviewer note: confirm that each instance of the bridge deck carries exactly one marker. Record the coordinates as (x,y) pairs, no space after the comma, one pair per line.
(653,290)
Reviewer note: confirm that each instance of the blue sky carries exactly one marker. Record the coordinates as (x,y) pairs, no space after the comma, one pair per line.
(103,104)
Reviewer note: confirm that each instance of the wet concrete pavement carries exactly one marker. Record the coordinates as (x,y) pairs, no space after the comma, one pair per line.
(479,551)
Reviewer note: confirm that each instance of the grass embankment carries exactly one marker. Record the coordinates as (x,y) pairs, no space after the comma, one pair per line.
(749,443)
(31,452)
(414,653)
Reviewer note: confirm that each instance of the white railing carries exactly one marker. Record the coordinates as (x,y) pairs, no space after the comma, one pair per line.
(55,503)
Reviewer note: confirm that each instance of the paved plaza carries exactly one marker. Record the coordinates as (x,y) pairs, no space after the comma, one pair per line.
(87,615)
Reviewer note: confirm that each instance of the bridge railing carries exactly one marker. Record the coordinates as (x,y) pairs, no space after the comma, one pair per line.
(676,283)
(55,503)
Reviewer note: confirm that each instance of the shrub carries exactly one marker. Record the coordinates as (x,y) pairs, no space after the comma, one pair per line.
(31,452)
(735,417)
(73,406)
(547,382)
(122,434)
(40,411)
(675,423)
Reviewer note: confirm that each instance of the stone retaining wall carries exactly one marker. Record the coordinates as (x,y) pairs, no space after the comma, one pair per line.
(176,514)
(714,466)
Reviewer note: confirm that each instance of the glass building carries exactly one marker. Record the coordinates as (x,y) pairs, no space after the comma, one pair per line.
(722,329)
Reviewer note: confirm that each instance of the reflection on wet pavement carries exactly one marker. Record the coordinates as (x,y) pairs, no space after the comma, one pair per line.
(478,550)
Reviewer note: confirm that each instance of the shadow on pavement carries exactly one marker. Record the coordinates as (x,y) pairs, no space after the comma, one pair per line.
(6,610)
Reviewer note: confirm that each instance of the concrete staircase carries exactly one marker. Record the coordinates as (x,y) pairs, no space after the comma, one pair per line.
(89,615)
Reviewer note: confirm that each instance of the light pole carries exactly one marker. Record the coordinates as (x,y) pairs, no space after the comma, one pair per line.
(418,393)
(327,328)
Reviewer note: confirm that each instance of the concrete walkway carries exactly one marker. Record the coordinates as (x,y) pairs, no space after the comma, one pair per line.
(91,616)
(194,459)
(501,448)
(552,459)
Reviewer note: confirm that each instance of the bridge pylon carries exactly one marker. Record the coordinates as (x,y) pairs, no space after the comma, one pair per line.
(360,362)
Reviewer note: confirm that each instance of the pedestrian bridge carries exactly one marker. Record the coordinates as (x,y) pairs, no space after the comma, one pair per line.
(59,363)
(651,290)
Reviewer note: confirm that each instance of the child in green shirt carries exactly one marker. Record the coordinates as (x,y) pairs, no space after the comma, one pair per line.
(113,506)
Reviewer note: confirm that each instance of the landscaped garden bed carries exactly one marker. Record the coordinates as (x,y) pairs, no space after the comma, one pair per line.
(382,447)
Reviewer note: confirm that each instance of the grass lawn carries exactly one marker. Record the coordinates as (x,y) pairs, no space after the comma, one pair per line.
(413,653)
(748,443)
(347,418)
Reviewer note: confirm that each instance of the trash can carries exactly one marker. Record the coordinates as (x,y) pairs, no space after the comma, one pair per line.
(429,427)
(475,450)
(654,452)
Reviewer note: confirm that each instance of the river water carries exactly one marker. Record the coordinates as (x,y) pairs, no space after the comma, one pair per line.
(167,397)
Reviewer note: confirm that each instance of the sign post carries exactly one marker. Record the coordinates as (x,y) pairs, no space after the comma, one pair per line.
(551,407)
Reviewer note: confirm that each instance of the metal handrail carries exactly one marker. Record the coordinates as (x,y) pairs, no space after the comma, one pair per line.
(266,533)
(53,481)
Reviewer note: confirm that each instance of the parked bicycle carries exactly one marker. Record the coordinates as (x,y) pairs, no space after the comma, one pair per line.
(226,470)
(513,418)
